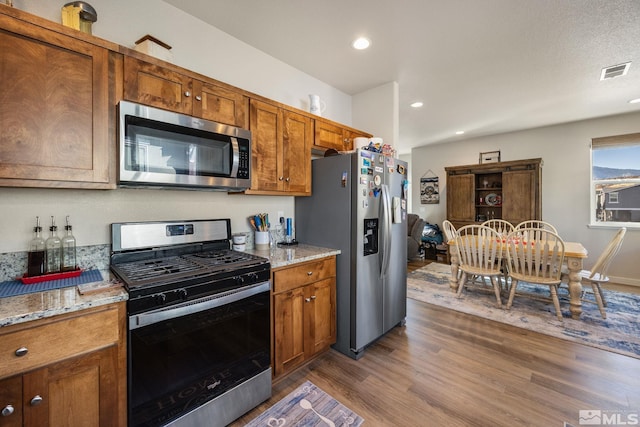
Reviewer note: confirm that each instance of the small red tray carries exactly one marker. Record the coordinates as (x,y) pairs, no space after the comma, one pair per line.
(52,276)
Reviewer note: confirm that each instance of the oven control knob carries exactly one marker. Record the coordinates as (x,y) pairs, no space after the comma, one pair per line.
(239,280)
(160,299)
(182,294)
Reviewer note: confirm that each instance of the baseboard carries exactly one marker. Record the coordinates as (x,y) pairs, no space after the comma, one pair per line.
(625,281)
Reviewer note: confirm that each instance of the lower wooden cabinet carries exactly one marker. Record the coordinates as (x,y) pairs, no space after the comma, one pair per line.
(304,312)
(41,384)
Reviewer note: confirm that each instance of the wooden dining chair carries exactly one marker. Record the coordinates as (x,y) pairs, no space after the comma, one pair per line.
(449,230)
(536,259)
(479,254)
(500,225)
(535,223)
(598,273)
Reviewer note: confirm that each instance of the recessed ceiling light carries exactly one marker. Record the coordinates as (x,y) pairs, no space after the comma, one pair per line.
(417,104)
(634,101)
(460,132)
(361,43)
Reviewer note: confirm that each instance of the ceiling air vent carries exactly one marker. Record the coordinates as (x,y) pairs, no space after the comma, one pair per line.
(615,71)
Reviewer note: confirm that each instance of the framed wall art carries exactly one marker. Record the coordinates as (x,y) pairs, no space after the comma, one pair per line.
(429,188)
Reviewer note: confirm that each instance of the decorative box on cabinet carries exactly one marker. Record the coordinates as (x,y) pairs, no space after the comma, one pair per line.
(55,116)
(304,312)
(504,190)
(329,135)
(281,150)
(67,370)
(170,89)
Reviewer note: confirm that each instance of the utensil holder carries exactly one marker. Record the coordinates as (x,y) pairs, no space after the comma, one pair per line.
(262,240)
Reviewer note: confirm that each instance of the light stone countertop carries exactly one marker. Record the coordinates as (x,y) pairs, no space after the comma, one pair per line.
(38,305)
(283,256)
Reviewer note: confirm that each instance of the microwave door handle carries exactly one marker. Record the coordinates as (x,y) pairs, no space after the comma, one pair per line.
(235,157)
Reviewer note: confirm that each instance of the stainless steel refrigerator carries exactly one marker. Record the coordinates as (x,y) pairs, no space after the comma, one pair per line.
(358,205)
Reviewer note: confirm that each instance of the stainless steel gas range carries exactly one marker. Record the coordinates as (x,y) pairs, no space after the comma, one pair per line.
(198,322)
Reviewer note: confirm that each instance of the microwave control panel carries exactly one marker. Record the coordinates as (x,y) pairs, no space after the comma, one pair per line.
(244,154)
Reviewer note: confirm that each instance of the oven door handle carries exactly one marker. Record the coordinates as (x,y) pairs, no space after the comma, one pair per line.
(195,306)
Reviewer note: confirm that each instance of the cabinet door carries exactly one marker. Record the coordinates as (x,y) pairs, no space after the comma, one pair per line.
(296,152)
(11,402)
(320,313)
(350,136)
(75,393)
(157,86)
(328,135)
(460,197)
(519,196)
(289,333)
(266,150)
(54,109)
(219,104)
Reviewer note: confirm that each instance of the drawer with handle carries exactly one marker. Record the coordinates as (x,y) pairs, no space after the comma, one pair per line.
(50,342)
(303,274)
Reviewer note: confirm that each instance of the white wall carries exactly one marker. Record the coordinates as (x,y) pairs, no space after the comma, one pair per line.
(376,110)
(565,150)
(196,46)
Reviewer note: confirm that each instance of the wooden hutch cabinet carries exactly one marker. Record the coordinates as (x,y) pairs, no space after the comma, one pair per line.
(504,190)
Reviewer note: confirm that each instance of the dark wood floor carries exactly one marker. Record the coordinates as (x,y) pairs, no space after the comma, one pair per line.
(445,368)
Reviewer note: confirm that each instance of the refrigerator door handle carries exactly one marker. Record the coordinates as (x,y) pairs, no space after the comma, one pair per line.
(386,248)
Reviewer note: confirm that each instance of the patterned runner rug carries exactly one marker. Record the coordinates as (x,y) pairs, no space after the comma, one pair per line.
(619,332)
(307,406)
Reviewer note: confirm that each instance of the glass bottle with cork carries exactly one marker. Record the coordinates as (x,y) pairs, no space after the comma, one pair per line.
(36,255)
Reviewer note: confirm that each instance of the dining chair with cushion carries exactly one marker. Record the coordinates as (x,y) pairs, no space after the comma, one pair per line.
(598,273)
(535,223)
(479,254)
(500,225)
(536,259)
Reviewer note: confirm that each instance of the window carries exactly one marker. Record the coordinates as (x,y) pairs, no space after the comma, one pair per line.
(615,180)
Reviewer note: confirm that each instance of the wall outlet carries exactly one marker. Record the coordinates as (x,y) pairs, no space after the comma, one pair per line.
(280,215)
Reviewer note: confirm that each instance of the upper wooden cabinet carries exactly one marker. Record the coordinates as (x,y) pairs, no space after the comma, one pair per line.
(281,150)
(55,115)
(330,135)
(165,88)
(504,190)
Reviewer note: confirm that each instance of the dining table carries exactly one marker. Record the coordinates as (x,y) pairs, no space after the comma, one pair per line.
(574,254)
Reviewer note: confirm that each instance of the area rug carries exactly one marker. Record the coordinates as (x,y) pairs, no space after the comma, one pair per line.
(307,406)
(619,332)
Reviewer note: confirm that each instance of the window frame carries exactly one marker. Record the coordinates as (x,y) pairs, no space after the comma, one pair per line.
(603,142)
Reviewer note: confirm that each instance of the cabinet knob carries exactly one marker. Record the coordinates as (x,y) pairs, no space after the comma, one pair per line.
(288,179)
(307,300)
(36,400)
(7,410)
(198,98)
(187,93)
(281,178)
(22,351)
(313,297)
(309,273)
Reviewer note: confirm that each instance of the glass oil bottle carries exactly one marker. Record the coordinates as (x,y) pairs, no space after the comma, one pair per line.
(53,247)
(68,249)
(35,256)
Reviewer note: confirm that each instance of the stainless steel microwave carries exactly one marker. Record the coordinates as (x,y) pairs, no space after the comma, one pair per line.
(159,148)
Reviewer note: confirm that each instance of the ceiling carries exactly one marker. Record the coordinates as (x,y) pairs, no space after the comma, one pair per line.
(481,66)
